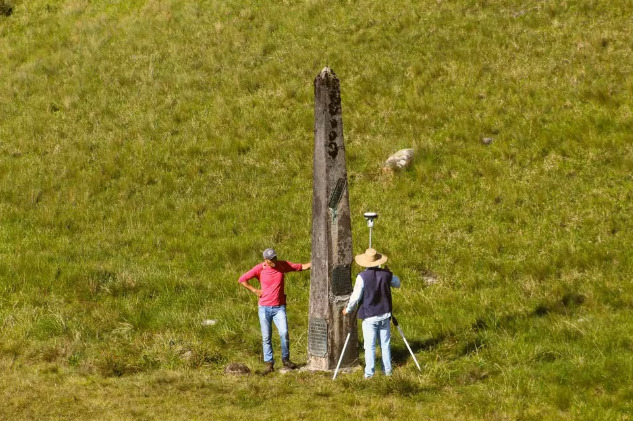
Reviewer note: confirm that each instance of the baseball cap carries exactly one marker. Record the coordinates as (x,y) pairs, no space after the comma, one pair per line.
(269,254)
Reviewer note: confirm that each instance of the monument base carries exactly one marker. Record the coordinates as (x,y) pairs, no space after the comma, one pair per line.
(350,369)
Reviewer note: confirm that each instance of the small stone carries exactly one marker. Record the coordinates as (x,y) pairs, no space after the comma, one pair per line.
(209,322)
(400,160)
(487,140)
(430,280)
(237,369)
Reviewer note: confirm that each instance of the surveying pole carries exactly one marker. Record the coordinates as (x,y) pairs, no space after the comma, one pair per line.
(370,217)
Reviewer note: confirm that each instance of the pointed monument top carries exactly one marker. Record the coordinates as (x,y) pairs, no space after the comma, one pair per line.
(327,72)
(327,78)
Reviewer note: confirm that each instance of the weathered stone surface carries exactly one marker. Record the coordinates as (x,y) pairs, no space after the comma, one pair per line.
(400,160)
(332,254)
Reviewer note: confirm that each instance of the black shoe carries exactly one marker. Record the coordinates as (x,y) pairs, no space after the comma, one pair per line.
(289,365)
(270,367)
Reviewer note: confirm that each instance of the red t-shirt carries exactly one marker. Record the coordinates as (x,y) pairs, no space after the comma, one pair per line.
(271,280)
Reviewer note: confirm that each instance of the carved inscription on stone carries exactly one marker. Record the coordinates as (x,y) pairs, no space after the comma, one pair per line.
(317,337)
(341,280)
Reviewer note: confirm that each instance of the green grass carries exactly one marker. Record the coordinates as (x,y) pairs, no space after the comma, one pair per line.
(150,149)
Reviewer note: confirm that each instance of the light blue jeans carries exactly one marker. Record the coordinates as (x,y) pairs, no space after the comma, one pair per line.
(277,314)
(372,331)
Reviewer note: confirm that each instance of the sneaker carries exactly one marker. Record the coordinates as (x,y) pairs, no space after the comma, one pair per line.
(289,364)
(270,367)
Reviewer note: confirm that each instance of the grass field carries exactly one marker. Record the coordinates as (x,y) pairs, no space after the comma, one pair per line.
(151,149)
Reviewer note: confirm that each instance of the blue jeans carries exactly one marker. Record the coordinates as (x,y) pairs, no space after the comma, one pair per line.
(372,331)
(277,314)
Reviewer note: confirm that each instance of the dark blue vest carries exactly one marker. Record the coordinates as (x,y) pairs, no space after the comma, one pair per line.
(376,298)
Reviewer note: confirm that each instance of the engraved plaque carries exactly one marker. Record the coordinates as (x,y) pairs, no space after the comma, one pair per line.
(317,337)
(335,197)
(341,280)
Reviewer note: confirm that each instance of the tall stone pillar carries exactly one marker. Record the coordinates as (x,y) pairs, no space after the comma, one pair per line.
(332,254)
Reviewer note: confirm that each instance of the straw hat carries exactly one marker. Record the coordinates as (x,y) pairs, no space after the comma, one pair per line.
(370,258)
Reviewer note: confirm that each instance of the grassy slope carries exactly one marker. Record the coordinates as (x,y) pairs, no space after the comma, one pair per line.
(150,149)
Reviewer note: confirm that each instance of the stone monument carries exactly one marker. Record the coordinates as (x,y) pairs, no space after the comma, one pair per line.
(332,253)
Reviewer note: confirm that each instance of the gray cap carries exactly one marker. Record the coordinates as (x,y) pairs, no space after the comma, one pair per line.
(269,254)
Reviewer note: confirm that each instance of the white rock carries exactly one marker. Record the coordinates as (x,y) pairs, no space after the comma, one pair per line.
(209,322)
(430,280)
(400,160)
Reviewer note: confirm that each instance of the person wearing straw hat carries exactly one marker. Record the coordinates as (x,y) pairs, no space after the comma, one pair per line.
(372,290)
(272,303)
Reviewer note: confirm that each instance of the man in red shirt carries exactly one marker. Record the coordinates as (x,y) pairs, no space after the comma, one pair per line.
(272,303)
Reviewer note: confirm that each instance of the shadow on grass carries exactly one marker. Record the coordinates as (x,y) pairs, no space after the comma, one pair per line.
(279,369)
(565,305)
(400,354)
